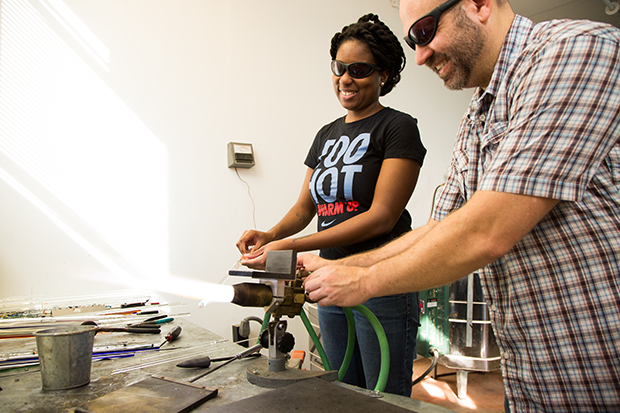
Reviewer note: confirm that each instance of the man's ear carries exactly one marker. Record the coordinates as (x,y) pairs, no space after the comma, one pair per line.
(482,9)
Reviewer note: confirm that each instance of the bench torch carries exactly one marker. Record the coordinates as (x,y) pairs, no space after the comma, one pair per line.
(280,292)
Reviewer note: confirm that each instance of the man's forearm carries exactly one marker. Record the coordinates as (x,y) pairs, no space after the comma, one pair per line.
(485,229)
(481,231)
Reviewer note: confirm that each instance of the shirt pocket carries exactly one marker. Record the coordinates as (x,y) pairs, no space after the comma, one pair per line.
(612,165)
(460,171)
(490,141)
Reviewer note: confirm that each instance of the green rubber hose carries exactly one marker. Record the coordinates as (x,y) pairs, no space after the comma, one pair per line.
(264,326)
(315,340)
(383,344)
(348,355)
(376,324)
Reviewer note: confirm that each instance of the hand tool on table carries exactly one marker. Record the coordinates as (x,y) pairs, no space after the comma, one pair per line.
(241,355)
(172,335)
(152,323)
(142,330)
(204,362)
(155,318)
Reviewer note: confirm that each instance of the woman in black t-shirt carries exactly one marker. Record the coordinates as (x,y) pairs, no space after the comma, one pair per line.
(362,170)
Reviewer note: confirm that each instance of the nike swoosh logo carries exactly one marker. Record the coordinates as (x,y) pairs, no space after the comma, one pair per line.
(327,224)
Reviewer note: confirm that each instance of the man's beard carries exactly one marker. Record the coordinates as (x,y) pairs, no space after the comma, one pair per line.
(463,52)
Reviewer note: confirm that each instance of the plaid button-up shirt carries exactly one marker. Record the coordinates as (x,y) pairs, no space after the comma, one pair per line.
(548,125)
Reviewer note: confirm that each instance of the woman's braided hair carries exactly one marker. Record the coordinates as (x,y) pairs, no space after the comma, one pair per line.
(383,45)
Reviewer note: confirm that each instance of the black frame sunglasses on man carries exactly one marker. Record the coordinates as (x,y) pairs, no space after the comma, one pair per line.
(423,30)
(357,70)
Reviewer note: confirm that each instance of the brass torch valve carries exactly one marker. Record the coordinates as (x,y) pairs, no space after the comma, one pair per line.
(280,289)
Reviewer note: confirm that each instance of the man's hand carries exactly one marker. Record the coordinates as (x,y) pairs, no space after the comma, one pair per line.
(338,285)
(311,262)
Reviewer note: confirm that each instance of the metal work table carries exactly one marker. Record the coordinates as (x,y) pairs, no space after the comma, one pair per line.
(21,388)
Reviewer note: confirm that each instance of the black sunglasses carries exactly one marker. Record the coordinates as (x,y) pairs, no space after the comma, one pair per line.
(423,30)
(357,70)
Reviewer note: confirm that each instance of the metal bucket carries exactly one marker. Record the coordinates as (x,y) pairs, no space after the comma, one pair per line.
(65,355)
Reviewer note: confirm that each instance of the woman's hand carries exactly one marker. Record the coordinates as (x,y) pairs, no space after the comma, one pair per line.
(251,240)
(257,258)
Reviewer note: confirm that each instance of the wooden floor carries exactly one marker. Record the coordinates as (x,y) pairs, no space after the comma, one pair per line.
(485,391)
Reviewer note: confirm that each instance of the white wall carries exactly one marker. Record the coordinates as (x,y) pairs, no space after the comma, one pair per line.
(114,120)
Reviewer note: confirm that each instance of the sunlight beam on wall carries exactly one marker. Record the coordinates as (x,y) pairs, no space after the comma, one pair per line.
(69,131)
(93,46)
(119,272)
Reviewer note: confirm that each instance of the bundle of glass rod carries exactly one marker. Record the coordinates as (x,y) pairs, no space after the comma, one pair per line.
(10,361)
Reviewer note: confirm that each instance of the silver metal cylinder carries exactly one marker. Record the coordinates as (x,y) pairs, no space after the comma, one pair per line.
(252,295)
(65,355)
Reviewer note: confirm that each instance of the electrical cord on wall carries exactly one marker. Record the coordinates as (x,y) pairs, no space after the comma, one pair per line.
(238,263)
(251,199)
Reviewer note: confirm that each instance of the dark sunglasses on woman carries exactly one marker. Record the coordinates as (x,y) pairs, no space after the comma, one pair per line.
(357,70)
(423,30)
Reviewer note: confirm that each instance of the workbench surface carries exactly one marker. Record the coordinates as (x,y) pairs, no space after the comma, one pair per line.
(21,388)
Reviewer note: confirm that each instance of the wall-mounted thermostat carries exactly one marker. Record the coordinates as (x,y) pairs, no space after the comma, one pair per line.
(240,155)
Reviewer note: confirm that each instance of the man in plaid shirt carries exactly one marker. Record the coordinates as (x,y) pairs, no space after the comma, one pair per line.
(532,199)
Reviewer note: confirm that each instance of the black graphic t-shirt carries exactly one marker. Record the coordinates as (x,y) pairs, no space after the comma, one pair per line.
(347,158)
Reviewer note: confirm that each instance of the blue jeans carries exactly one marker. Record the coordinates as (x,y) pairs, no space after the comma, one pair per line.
(399,315)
